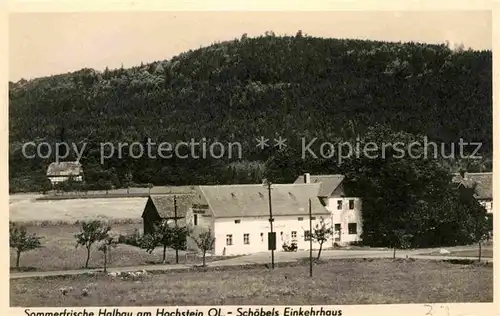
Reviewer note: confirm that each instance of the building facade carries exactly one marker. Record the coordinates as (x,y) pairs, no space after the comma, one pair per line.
(346,218)
(345,212)
(238,216)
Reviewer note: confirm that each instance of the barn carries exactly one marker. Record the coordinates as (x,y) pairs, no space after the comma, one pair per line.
(165,207)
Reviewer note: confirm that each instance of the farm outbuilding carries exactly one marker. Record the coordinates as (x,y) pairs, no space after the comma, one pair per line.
(63,171)
(168,206)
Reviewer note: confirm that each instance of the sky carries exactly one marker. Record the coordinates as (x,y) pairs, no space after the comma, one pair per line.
(42,44)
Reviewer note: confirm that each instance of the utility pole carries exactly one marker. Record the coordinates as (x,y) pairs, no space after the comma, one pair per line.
(176,228)
(310,241)
(271,220)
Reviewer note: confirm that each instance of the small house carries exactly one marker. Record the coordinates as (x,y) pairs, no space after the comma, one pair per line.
(58,172)
(165,207)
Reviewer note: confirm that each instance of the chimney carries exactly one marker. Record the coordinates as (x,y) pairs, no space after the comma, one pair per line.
(307,178)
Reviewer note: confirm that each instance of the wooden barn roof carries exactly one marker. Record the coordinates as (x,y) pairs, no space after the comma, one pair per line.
(164,204)
(252,200)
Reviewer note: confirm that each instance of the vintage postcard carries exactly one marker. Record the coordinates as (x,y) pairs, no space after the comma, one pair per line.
(250,163)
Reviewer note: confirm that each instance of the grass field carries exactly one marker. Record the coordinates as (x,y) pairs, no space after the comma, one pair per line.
(354,281)
(485,253)
(473,252)
(59,251)
(24,208)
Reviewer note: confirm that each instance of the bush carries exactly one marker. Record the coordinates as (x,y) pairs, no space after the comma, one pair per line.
(134,239)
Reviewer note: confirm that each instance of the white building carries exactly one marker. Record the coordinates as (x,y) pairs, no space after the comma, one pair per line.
(238,216)
(346,215)
(63,171)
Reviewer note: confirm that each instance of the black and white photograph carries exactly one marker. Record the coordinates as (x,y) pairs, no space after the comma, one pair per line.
(250,158)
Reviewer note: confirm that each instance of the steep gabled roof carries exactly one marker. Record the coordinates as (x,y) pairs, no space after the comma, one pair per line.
(482,181)
(252,200)
(328,182)
(64,168)
(165,206)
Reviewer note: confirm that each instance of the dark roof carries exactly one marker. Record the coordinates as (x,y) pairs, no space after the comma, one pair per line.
(65,168)
(252,200)
(328,182)
(482,181)
(164,204)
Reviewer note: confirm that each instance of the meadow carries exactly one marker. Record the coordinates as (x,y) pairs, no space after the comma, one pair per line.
(472,251)
(25,209)
(59,252)
(335,282)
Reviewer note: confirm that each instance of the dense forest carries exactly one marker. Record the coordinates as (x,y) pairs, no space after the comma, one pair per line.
(236,91)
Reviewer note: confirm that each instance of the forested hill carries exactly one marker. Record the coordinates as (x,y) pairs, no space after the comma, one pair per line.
(239,90)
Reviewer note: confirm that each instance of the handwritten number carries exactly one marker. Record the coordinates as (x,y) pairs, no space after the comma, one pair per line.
(429,312)
(447,310)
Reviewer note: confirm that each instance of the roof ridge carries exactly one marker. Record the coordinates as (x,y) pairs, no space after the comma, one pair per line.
(254,185)
(208,201)
(327,174)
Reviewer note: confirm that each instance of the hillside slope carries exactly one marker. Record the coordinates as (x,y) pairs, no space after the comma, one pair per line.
(242,89)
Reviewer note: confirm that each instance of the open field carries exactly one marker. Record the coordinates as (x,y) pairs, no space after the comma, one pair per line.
(355,281)
(59,251)
(24,208)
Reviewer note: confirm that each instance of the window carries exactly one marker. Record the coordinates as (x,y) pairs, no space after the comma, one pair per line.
(229,240)
(339,204)
(301,218)
(262,237)
(337,227)
(237,221)
(195,219)
(351,204)
(307,235)
(353,228)
(246,239)
(294,235)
